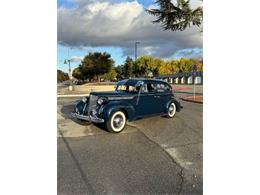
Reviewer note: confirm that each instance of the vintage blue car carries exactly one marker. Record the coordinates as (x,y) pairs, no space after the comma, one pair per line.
(132,99)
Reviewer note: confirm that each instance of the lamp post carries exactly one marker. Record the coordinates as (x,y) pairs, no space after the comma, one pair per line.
(137,42)
(194,69)
(67,61)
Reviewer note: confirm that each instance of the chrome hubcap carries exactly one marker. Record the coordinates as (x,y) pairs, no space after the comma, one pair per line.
(171,109)
(118,121)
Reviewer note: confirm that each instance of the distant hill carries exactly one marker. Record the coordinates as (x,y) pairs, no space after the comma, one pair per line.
(62,76)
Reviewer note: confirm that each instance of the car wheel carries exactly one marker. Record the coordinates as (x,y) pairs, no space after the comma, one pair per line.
(171,110)
(116,122)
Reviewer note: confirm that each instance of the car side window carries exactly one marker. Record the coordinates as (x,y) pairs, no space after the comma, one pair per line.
(167,87)
(160,88)
(163,88)
(144,88)
(151,88)
(148,88)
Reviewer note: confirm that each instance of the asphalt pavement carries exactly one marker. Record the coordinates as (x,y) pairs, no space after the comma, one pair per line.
(151,156)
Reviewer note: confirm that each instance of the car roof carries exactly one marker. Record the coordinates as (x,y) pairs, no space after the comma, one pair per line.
(134,81)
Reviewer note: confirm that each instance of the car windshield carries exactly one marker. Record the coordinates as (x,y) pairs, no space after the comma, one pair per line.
(128,88)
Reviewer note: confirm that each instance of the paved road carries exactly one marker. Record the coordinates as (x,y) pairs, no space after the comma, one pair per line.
(154,155)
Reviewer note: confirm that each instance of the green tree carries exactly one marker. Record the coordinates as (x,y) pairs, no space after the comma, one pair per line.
(155,66)
(185,65)
(128,67)
(77,73)
(137,71)
(62,76)
(119,72)
(181,65)
(168,67)
(198,63)
(111,75)
(96,64)
(176,16)
(147,64)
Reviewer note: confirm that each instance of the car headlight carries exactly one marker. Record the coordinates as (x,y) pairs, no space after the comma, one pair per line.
(101,100)
(84,99)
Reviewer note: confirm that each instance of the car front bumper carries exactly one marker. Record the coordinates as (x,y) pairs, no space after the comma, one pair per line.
(87,118)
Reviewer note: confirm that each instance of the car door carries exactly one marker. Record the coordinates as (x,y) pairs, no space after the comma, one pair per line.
(147,102)
(163,95)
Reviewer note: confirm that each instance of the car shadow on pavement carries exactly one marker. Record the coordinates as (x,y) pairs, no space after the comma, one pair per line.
(101,126)
(66,113)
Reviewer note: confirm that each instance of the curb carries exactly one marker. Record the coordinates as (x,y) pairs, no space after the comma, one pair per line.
(193,101)
(186,92)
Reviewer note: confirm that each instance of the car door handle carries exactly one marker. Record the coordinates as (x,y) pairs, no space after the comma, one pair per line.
(157,96)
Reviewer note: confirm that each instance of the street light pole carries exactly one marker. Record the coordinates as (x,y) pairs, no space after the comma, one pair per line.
(70,73)
(70,87)
(194,69)
(67,61)
(137,42)
(69,68)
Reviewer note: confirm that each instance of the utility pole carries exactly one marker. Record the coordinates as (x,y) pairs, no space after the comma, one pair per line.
(137,42)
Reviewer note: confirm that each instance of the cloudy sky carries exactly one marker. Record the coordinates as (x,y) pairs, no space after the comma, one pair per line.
(113,26)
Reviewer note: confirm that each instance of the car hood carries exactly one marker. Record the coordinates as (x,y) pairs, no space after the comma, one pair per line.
(112,93)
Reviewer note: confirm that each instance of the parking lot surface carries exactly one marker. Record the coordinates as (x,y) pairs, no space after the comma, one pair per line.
(151,156)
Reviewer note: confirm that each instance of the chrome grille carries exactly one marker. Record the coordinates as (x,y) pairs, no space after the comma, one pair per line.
(92,103)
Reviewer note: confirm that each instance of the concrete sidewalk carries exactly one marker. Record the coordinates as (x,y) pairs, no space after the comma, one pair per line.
(84,89)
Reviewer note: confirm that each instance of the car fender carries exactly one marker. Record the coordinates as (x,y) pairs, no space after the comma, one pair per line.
(118,105)
(177,103)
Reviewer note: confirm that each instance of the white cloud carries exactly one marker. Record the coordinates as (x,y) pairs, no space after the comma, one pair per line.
(76,58)
(188,53)
(120,24)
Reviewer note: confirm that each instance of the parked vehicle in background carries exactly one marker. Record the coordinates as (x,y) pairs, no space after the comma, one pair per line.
(132,99)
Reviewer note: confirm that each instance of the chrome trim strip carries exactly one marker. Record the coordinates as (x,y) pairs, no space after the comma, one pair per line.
(139,93)
(92,103)
(121,98)
(84,108)
(87,118)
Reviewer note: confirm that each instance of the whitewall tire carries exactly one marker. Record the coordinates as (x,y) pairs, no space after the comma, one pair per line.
(171,110)
(116,122)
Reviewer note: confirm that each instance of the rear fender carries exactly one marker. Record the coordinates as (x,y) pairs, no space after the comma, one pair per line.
(177,103)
